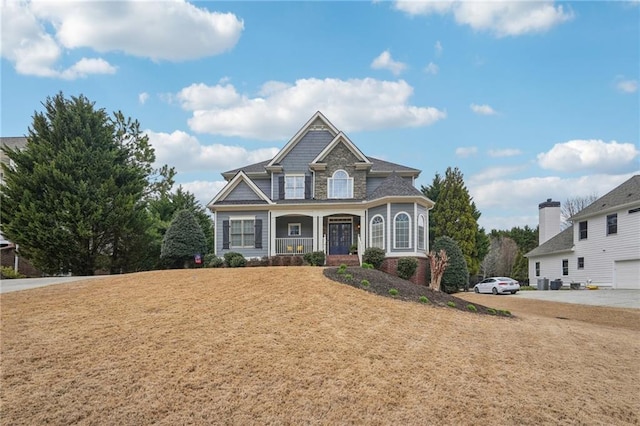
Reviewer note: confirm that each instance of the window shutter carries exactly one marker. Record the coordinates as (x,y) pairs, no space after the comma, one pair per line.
(281,188)
(225,234)
(258,235)
(307,187)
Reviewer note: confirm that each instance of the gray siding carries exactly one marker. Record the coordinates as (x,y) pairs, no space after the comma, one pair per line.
(282,226)
(305,151)
(246,252)
(242,192)
(264,185)
(408,209)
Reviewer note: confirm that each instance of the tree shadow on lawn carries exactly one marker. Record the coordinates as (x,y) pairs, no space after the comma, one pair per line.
(381,283)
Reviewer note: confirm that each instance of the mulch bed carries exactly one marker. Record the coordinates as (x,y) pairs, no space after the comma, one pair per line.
(380,283)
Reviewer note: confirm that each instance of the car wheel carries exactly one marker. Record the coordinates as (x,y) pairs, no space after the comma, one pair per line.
(514,292)
(494,290)
(476,289)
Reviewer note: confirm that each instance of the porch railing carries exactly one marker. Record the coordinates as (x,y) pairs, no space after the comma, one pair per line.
(294,246)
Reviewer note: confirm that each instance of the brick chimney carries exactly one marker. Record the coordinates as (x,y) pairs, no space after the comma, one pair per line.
(548,220)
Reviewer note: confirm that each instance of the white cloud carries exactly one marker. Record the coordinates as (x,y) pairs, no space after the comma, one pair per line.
(591,155)
(500,17)
(385,61)
(482,109)
(438,48)
(187,154)
(143,98)
(626,85)
(509,152)
(352,105)
(431,68)
(203,190)
(35,34)
(494,196)
(467,151)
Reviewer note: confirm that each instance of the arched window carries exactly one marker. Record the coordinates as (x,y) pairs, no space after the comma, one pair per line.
(421,232)
(377,232)
(402,231)
(340,185)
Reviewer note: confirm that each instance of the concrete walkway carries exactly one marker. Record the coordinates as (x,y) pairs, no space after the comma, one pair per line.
(7,286)
(612,298)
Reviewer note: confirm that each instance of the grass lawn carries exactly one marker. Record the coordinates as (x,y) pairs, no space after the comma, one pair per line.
(287,345)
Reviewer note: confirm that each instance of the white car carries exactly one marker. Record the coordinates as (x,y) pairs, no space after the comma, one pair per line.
(497,285)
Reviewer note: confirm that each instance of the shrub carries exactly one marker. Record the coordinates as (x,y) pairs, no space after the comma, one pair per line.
(456,275)
(348,277)
(366,265)
(407,267)
(504,312)
(472,308)
(374,256)
(393,292)
(7,272)
(237,262)
(258,261)
(452,304)
(213,261)
(315,258)
(364,283)
(423,299)
(230,255)
(491,311)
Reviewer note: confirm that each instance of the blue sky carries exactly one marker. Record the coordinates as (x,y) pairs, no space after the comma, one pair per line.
(530,100)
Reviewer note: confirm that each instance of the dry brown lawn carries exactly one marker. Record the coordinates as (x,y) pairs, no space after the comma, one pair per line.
(287,345)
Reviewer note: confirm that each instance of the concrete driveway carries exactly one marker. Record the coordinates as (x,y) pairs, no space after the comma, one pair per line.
(612,298)
(7,286)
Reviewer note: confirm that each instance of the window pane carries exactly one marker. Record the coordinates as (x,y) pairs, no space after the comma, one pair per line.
(377,232)
(402,231)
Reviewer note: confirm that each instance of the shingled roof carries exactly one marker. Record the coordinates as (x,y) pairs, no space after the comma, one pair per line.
(627,192)
(558,244)
(394,186)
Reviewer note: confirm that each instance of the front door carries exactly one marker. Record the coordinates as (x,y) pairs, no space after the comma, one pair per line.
(339,238)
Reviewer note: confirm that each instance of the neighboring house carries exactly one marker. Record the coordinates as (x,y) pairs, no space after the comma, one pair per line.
(321,193)
(602,247)
(8,255)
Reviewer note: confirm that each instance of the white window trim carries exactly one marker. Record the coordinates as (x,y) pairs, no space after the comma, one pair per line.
(288,196)
(424,232)
(395,231)
(290,225)
(383,231)
(349,180)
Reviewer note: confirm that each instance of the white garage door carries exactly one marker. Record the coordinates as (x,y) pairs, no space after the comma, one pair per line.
(627,274)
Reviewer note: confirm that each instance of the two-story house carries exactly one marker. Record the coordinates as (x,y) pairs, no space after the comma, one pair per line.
(321,193)
(602,247)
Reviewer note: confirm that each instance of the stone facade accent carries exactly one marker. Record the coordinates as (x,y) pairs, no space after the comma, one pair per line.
(341,158)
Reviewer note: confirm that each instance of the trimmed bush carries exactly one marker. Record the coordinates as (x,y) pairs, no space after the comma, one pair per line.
(7,272)
(472,308)
(213,261)
(407,267)
(456,275)
(424,299)
(366,265)
(451,304)
(228,256)
(315,258)
(364,283)
(393,292)
(237,262)
(374,256)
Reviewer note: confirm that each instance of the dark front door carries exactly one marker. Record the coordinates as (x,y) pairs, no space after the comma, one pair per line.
(339,238)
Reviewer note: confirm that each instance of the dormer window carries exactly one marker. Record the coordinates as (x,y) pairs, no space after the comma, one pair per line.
(340,185)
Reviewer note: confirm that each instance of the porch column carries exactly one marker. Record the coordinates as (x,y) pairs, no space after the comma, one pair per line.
(272,234)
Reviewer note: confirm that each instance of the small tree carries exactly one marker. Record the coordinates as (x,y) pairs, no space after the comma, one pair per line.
(456,274)
(183,240)
(438,264)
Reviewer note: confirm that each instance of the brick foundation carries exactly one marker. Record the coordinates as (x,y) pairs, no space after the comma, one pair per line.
(390,266)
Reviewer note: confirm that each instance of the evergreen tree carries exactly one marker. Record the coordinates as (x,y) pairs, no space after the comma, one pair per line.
(454,215)
(183,240)
(75,197)
(456,275)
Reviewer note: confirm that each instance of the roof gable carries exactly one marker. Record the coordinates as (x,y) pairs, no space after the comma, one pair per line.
(396,186)
(317,122)
(626,193)
(341,138)
(240,178)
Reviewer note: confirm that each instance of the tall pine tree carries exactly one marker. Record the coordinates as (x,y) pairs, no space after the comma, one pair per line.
(75,198)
